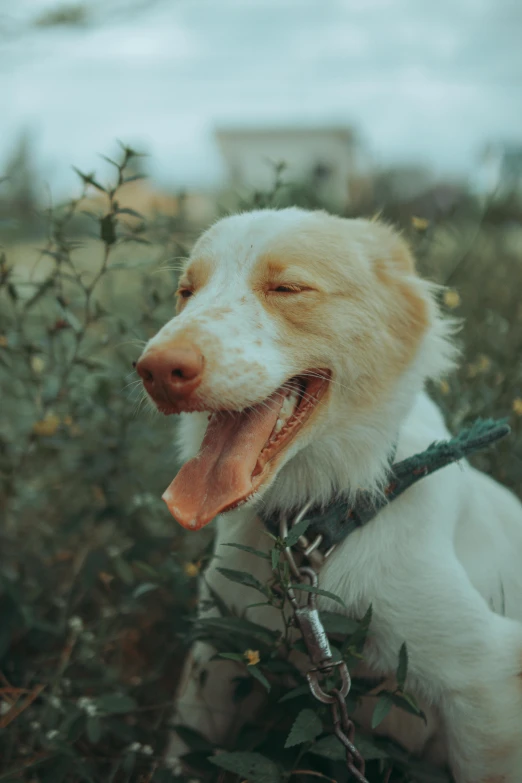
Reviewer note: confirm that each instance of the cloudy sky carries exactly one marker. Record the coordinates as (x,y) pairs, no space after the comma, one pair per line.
(423,81)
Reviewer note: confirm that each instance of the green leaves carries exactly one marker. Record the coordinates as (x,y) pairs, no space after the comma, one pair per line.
(250,766)
(306,728)
(382,708)
(116,703)
(108,229)
(318,591)
(402,669)
(243,578)
(296,532)
(88,179)
(250,550)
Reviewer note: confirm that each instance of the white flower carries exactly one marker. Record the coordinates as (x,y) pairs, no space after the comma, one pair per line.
(76,624)
(55,702)
(175,765)
(147,750)
(35,725)
(52,734)
(142,499)
(135,747)
(4,708)
(87,705)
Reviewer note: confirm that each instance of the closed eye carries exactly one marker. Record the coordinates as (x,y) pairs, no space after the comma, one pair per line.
(185,293)
(290,288)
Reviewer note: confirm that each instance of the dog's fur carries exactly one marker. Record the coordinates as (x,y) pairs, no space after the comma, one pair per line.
(441,564)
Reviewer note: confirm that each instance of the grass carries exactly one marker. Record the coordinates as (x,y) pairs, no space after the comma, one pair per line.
(97,585)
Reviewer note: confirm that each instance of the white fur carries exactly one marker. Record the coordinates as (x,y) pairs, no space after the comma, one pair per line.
(437,565)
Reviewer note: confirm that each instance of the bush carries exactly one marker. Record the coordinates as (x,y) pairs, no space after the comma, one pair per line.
(97,584)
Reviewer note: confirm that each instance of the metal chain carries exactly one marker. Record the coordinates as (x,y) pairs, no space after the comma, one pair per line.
(318,647)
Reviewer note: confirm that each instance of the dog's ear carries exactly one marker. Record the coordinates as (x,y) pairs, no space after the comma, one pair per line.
(409,309)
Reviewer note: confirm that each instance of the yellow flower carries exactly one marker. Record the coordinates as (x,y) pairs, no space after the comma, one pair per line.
(451,299)
(47,426)
(517,406)
(251,657)
(484,363)
(3,341)
(192,569)
(37,364)
(444,387)
(421,224)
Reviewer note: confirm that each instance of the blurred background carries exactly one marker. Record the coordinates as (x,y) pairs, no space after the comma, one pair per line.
(126,127)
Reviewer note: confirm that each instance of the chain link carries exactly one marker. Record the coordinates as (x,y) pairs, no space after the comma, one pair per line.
(318,647)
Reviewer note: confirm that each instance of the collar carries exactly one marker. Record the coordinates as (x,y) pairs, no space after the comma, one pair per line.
(327,526)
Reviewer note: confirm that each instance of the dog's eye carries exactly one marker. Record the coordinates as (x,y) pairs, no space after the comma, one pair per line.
(185,293)
(289,288)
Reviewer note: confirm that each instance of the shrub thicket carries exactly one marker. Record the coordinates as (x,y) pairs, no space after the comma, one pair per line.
(97,585)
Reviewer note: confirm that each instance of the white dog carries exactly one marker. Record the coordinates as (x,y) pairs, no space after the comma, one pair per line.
(297,359)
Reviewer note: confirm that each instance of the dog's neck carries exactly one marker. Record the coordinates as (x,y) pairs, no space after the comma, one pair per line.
(341,461)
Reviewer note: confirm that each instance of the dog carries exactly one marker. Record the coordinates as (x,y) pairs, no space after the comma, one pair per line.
(297,361)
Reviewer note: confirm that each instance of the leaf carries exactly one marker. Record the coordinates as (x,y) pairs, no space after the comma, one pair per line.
(296,532)
(275,554)
(129,211)
(146,587)
(258,675)
(94,729)
(88,179)
(368,749)
(250,766)
(193,739)
(329,748)
(358,638)
(382,708)
(402,669)
(250,549)
(307,726)
(48,283)
(318,591)
(406,702)
(232,656)
(335,623)
(243,578)
(301,690)
(239,627)
(124,570)
(116,703)
(108,229)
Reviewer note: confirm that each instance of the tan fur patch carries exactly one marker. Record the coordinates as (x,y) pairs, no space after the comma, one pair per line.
(194,277)
(365,299)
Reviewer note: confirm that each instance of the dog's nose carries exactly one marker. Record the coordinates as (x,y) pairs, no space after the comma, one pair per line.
(171,373)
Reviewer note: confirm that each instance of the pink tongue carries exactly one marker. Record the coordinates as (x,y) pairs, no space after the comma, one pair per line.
(220,475)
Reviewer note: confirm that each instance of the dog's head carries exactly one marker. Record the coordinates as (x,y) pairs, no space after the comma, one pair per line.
(291,327)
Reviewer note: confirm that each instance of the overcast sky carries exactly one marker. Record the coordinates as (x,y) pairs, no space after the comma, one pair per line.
(422,81)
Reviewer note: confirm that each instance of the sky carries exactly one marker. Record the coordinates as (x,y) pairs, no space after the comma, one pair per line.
(426,82)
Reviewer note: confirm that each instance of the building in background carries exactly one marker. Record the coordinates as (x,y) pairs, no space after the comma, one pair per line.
(504,163)
(330,159)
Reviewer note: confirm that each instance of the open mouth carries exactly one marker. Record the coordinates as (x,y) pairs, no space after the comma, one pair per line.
(240,451)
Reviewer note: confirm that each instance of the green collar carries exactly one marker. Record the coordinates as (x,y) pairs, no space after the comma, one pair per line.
(336,521)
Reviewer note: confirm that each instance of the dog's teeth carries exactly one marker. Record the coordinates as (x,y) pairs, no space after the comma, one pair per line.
(279,425)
